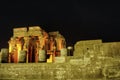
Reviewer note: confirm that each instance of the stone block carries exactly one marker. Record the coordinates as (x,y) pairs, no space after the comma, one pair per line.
(81,47)
(60,59)
(22,56)
(34,28)
(15,30)
(20,34)
(42,55)
(4,55)
(63,52)
(111,49)
(34,33)
(76,62)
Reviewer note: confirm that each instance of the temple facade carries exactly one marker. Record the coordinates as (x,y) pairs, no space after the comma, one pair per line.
(33,44)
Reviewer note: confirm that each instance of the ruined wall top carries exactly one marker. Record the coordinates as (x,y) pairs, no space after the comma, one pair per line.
(30,31)
(89,42)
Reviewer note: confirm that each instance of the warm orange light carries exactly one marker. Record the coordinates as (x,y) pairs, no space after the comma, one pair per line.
(32,41)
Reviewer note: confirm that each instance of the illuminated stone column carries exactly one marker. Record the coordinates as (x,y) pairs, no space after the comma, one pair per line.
(52,43)
(54,52)
(37,51)
(41,42)
(51,52)
(47,44)
(14,54)
(25,47)
(11,43)
(59,43)
(19,48)
(46,41)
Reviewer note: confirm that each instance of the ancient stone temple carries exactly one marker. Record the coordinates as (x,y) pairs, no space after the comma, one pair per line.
(33,44)
(88,60)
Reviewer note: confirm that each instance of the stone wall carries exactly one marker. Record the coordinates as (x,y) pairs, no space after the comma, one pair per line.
(92,60)
(74,69)
(96,48)
(82,47)
(106,56)
(111,49)
(48,71)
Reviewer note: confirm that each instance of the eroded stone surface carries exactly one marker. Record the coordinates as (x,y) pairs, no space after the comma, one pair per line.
(50,71)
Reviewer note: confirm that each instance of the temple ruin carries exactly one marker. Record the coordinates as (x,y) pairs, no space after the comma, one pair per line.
(90,60)
(33,44)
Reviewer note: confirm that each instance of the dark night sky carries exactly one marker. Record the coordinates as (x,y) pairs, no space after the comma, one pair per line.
(75,19)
